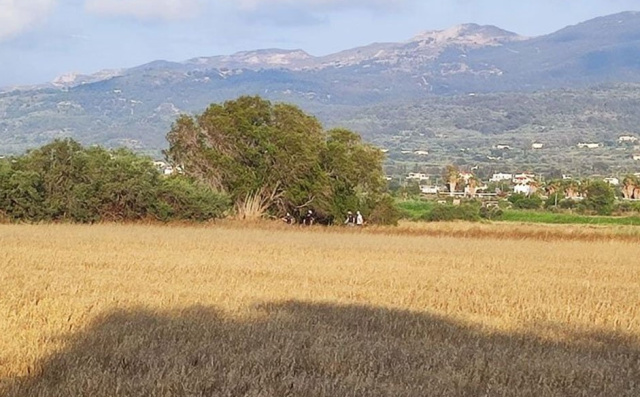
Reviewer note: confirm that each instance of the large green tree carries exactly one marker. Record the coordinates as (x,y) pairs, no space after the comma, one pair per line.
(355,172)
(275,158)
(257,152)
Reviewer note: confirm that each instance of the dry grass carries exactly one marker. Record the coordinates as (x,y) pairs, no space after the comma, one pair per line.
(270,311)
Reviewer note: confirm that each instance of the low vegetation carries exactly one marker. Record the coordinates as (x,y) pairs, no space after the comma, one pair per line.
(231,310)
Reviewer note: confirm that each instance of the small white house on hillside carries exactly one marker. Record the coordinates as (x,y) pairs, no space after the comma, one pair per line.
(612,181)
(522,189)
(588,145)
(430,189)
(524,178)
(627,138)
(501,177)
(418,176)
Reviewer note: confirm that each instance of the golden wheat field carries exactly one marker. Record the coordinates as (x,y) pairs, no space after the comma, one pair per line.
(229,310)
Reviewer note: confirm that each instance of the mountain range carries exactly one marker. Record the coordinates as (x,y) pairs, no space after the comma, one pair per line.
(135,107)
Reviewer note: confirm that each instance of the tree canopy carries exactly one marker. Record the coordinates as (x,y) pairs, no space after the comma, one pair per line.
(274,158)
(64,181)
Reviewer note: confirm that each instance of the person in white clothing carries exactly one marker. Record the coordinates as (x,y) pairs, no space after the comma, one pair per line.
(359,219)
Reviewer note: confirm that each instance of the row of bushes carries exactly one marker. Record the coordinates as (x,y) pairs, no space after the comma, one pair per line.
(471,212)
(63,181)
(599,199)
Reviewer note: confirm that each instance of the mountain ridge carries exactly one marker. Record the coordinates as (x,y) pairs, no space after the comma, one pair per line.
(435,41)
(135,107)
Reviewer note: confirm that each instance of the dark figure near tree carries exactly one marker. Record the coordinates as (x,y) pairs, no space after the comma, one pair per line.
(309,218)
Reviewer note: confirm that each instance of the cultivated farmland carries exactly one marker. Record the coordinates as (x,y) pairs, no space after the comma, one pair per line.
(228,310)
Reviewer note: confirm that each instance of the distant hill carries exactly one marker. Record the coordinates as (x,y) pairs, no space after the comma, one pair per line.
(135,107)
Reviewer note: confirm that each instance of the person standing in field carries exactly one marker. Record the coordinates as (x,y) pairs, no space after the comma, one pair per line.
(359,219)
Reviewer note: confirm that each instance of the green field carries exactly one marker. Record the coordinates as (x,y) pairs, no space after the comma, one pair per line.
(416,210)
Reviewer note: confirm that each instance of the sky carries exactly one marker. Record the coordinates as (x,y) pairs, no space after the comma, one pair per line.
(42,39)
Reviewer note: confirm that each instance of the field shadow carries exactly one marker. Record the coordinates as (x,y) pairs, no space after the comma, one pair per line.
(308,349)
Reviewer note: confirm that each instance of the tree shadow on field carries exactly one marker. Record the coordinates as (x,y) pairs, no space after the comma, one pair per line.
(305,349)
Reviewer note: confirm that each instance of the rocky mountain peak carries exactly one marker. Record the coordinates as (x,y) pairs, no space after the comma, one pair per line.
(271,56)
(268,58)
(467,34)
(73,79)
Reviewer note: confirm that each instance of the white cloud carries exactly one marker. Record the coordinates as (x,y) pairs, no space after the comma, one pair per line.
(17,16)
(145,9)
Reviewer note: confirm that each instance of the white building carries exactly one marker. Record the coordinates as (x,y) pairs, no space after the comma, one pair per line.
(501,177)
(503,147)
(523,189)
(430,189)
(612,181)
(418,176)
(421,152)
(627,138)
(588,145)
(636,157)
(524,178)
(537,145)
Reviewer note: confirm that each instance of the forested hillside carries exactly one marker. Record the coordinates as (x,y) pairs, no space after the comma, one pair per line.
(455,93)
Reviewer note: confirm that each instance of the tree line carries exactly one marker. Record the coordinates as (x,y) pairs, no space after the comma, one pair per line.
(248,158)
(64,181)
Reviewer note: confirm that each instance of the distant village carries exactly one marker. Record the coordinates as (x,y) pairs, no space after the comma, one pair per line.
(466,184)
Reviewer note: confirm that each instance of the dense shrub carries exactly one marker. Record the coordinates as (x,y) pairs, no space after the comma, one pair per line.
(624,207)
(568,204)
(515,197)
(554,200)
(494,213)
(445,213)
(385,212)
(600,198)
(524,202)
(63,181)
(180,198)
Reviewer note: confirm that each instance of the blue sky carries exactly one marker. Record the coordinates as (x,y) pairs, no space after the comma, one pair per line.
(41,39)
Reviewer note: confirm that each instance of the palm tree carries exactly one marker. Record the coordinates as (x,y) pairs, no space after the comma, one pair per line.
(472,186)
(553,187)
(452,176)
(533,187)
(571,189)
(629,187)
(583,187)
